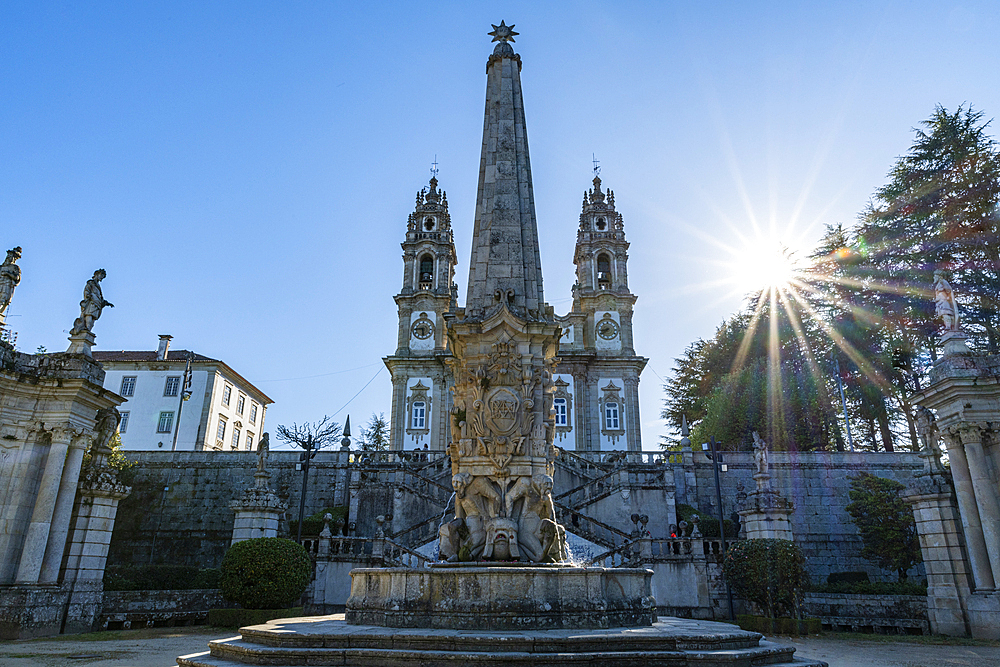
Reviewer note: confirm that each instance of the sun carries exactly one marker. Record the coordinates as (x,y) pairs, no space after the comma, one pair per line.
(763,264)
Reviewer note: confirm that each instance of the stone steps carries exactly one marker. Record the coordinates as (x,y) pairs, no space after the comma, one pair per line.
(330,641)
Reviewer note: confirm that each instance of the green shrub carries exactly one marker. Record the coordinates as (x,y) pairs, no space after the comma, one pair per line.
(770,573)
(873,588)
(847,577)
(780,626)
(159,578)
(885,522)
(234,619)
(265,573)
(313,525)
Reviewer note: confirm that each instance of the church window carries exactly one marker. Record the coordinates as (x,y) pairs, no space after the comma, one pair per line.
(600,223)
(128,386)
(171,386)
(253,413)
(426,271)
(611,419)
(559,405)
(123,424)
(249,441)
(240,404)
(429,224)
(236,438)
(603,271)
(166,423)
(220,433)
(419,415)
(227,394)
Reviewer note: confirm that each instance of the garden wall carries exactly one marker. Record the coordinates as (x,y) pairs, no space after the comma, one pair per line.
(818,484)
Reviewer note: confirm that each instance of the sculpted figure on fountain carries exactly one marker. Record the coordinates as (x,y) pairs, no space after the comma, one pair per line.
(501,449)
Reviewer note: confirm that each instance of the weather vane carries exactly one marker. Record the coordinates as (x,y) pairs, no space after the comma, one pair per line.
(597,165)
(434,167)
(503,32)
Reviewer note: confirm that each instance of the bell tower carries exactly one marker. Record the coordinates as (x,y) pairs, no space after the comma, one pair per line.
(420,400)
(597,397)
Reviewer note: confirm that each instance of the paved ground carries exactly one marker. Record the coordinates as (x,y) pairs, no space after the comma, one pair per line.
(160,647)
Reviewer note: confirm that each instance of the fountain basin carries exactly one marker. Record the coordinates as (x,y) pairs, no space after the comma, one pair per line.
(474,596)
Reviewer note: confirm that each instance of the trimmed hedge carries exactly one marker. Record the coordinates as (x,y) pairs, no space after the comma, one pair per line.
(265,573)
(780,626)
(159,578)
(234,619)
(873,588)
(770,573)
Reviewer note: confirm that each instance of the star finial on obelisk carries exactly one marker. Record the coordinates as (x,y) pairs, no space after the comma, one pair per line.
(503,33)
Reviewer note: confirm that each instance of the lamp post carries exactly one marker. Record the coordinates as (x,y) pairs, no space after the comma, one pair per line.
(185,395)
(712,452)
(304,458)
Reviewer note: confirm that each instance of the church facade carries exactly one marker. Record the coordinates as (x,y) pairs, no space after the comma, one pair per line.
(595,397)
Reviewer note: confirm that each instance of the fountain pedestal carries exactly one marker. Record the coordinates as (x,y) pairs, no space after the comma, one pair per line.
(481,596)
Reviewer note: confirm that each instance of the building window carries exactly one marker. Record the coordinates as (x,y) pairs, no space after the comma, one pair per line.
(240,403)
(123,424)
(419,414)
(249,441)
(253,412)
(227,393)
(220,433)
(166,423)
(611,421)
(559,405)
(171,387)
(128,386)
(236,438)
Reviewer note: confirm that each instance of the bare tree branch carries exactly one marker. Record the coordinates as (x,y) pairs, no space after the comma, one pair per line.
(317,435)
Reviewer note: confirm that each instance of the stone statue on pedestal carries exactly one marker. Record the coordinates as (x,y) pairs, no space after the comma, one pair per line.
(263,451)
(92,305)
(762,471)
(105,427)
(945,305)
(10,276)
(927,431)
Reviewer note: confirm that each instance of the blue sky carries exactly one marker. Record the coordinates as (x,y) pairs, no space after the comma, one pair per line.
(243,171)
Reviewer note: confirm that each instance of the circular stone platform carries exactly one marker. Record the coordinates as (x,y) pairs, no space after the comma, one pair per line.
(473,596)
(328,640)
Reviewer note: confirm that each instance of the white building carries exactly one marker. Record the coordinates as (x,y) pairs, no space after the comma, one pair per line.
(217,410)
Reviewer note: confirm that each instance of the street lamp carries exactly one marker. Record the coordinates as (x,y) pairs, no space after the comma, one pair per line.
(715,456)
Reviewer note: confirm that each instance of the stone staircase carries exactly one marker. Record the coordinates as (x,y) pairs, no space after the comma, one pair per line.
(328,640)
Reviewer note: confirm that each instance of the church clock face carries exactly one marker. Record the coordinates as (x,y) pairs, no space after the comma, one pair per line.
(422,329)
(607,329)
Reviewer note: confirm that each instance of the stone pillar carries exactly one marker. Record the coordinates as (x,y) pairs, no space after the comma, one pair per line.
(985,492)
(100,491)
(258,512)
(63,512)
(936,512)
(37,536)
(972,527)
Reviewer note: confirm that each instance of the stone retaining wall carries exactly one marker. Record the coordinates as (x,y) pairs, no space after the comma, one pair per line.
(882,614)
(153,609)
(818,484)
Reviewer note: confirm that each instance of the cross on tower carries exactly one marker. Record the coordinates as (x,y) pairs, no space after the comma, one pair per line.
(434,167)
(597,165)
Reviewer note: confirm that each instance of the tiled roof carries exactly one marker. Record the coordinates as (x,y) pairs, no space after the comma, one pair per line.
(147,355)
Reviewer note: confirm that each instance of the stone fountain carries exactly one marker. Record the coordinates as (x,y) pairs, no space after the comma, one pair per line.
(503,590)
